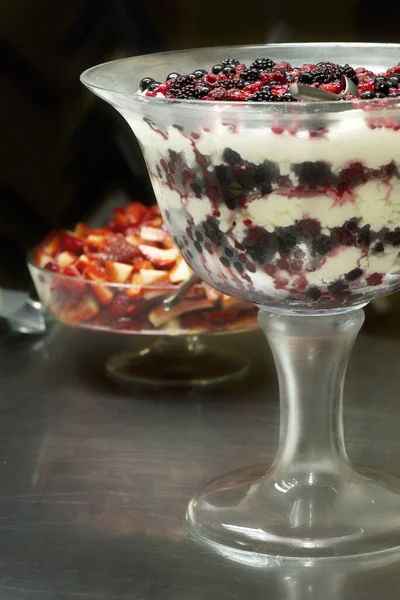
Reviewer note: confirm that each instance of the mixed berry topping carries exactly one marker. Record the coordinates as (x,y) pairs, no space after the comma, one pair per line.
(263,80)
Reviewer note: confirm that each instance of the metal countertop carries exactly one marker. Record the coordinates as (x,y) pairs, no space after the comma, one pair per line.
(95,478)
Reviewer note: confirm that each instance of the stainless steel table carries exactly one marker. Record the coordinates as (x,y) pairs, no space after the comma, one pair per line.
(95,478)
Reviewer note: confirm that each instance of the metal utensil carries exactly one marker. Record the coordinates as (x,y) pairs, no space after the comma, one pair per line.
(27,318)
(302,91)
(170,301)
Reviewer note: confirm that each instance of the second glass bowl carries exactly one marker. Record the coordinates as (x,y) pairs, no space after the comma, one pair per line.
(177,354)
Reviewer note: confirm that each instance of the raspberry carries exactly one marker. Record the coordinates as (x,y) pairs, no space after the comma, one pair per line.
(273,77)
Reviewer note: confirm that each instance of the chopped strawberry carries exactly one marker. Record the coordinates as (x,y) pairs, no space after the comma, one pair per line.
(131,214)
(81,263)
(139,262)
(71,243)
(119,307)
(117,271)
(42,259)
(116,248)
(103,292)
(335,87)
(160,258)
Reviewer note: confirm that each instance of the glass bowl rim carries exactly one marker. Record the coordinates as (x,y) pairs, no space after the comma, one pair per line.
(253,107)
(168,287)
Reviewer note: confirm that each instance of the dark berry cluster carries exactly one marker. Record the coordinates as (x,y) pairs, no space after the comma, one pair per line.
(264,80)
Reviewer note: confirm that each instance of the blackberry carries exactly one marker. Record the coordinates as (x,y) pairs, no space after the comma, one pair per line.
(145,82)
(321,245)
(349,72)
(313,174)
(186,93)
(196,189)
(172,76)
(351,224)
(257,243)
(199,73)
(393,237)
(231,156)
(224,261)
(200,91)
(308,228)
(379,247)
(286,237)
(152,86)
(262,64)
(261,96)
(364,237)
(287,97)
(230,84)
(368,95)
(393,82)
(182,82)
(230,61)
(266,175)
(382,87)
(250,75)
(217,69)
(354,274)
(229,70)
(212,230)
(313,293)
(308,77)
(198,247)
(230,200)
(338,287)
(238,266)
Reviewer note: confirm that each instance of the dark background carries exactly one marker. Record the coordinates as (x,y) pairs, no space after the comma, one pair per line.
(64,152)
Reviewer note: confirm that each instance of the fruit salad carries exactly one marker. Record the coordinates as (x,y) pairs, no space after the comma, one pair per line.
(286,202)
(115,278)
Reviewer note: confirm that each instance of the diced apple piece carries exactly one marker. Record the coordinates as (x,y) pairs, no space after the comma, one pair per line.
(152,234)
(81,230)
(41,259)
(95,273)
(94,241)
(150,276)
(155,222)
(180,272)
(86,309)
(158,316)
(64,259)
(172,325)
(136,287)
(134,240)
(160,258)
(118,272)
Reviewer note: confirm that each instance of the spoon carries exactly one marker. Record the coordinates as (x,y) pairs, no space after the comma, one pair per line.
(172,300)
(302,91)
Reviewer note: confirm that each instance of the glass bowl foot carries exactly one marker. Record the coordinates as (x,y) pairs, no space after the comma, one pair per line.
(325,515)
(181,361)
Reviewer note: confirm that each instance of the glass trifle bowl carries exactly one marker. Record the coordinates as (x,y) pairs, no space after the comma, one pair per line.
(295,207)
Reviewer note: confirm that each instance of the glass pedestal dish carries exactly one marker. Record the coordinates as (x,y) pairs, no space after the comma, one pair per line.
(178,353)
(296,208)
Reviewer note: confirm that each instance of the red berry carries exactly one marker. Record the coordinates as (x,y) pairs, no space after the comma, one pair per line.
(151,93)
(240,68)
(374,279)
(210,79)
(50,266)
(216,94)
(335,87)
(238,95)
(71,243)
(283,66)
